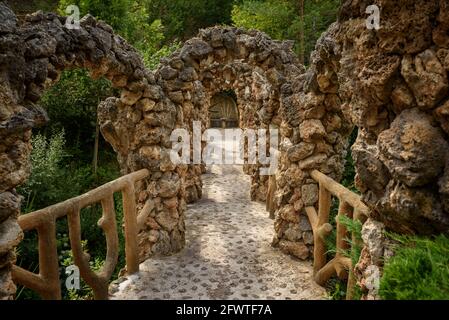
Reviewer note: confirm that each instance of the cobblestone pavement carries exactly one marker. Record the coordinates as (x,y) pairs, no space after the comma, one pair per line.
(228,253)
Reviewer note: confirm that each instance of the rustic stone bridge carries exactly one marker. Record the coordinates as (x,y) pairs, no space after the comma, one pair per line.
(391,83)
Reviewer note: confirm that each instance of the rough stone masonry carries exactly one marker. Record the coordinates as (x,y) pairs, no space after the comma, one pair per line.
(392,84)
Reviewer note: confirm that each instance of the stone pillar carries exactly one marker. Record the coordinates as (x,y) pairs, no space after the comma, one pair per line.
(32,56)
(14,150)
(10,237)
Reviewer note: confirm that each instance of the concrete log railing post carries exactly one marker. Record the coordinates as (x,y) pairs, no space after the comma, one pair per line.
(350,206)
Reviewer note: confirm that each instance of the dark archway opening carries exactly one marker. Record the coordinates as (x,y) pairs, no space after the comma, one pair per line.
(223,111)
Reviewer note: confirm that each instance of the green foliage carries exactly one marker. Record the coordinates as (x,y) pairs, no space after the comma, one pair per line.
(60,160)
(130,18)
(147,37)
(27,258)
(349,173)
(94,244)
(319,15)
(53,169)
(66,260)
(78,93)
(418,271)
(72,105)
(153,58)
(29,6)
(354,228)
(273,17)
(336,288)
(281,19)
(183,18)
(150,42)
(355,242)
(62,155)
(43,184)
(114,12)
(55,177)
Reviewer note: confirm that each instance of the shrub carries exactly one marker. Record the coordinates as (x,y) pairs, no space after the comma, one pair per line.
(354,228)
(94,244)
(65,260)
(42,185)
(336,288)
(418,271)
(71,105)
(52,171)
(62,151)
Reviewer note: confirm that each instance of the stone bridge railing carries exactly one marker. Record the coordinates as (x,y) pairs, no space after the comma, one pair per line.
(47,282)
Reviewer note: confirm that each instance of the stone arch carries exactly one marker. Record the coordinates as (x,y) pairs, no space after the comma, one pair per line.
(357,77)
(255,67)
(33,54)
(263,73)
(219,59)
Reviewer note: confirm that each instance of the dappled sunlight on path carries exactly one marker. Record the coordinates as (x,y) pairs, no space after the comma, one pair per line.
(228,253)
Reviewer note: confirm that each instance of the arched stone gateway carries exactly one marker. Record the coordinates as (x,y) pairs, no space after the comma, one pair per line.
(32,57)
(391,83)
(257,69)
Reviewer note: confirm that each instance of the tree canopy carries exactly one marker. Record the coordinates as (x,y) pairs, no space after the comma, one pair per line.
(288,19)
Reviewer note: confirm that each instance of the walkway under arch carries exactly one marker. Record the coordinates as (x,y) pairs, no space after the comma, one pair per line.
(228,253)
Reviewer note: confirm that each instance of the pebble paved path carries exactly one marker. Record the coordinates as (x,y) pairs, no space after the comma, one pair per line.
(228,253)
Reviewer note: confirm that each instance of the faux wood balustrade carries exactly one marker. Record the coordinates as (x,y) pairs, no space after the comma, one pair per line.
(47,282)
(350,206)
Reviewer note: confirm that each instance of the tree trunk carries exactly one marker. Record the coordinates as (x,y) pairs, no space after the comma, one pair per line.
(95,159)
(302,33)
